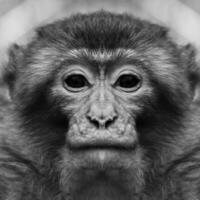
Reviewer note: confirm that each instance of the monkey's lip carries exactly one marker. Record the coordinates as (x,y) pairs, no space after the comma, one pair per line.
(102,145)
(102,150)
(102,140)
(103,155)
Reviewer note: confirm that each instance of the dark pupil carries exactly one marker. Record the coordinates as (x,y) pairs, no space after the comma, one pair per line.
(76,81)
(128,81)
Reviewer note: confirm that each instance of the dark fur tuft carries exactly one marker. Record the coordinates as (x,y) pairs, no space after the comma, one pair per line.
(103,30)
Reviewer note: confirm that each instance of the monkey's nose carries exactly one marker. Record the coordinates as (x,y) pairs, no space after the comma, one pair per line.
(101,123)
(102,115)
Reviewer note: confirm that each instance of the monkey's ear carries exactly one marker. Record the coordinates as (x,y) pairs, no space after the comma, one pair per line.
(189,57)
(9,65)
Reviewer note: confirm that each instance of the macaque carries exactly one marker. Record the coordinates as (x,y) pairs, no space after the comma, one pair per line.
(102,108)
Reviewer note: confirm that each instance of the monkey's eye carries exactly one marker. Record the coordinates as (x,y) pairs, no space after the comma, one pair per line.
(128,82)
(75,82)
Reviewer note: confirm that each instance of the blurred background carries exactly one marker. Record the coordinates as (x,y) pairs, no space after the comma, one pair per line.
(18,18)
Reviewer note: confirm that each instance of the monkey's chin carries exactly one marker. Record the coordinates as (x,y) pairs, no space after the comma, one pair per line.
(107,173)
(104,160)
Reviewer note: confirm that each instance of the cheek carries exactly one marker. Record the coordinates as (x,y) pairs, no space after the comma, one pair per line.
(132,105)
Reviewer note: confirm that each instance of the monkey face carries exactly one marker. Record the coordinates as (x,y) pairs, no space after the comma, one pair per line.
(103,113)
(100,118)
(97,114)
(98,122)
(101,124)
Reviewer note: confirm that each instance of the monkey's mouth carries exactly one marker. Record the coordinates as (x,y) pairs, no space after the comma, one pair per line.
(102,144)
(101,139)
(101,148)
(102,155)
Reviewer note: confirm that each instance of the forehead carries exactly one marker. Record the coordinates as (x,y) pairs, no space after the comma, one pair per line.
(154,59)
(101,57)
(50,59)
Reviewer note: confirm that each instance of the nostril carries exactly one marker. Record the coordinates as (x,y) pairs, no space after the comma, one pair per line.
(93,121)
(101,122)
(110,121)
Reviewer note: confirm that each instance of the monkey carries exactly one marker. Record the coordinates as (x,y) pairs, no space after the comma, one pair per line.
(102,107)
